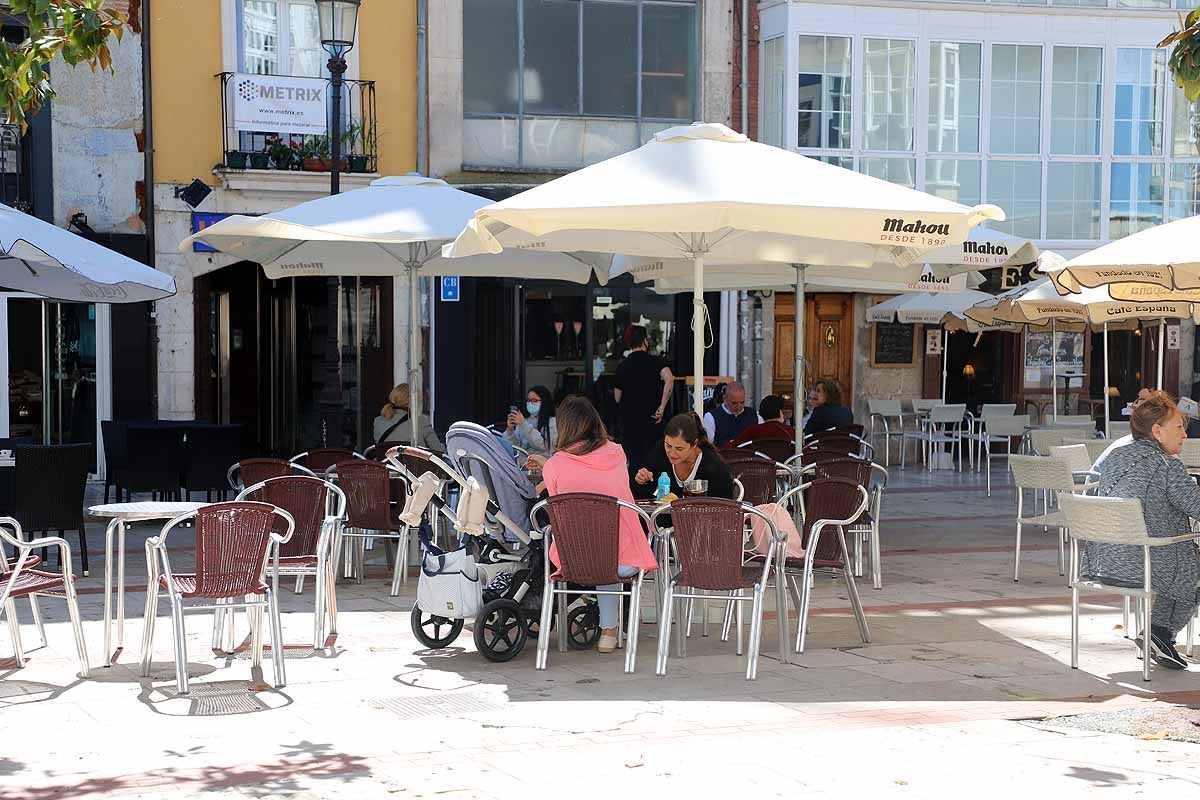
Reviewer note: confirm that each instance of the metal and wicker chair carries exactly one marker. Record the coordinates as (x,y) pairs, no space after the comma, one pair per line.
(757,474)
(369,515)
(156,461)
(1041,441)
(779,450)
(236,545)
(320,459)
(49,484)
(890,415)
(250,471)
(21,578)
(1096,448)
(318,509)
(584,530)
(706,537)
(1111,521)
(829,506)
(1081,463)
(841,443)
(1048,476)
(943,425)
(1002,430)
(208,450)
(116,454)
(976,427)
(874,479)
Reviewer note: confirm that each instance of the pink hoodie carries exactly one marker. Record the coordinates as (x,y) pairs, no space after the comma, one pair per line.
(602,471)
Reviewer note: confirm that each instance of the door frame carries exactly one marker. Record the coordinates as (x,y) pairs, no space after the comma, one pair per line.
(103,369)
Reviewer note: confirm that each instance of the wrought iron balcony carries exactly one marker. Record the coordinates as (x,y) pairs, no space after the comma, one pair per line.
(283,150)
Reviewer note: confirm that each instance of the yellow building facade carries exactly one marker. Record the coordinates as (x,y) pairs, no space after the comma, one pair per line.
(299,361)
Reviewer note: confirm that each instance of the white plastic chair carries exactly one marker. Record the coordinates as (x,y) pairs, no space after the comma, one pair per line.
(1048,476)
(943,426)
(1002,430)
(976,425)
(889,413)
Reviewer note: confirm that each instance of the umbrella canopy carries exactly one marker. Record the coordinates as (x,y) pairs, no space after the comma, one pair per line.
(52,262)
(395,225)
(928,309)
(983,248)
(1152,263)
(1040,303)
(877,279)
(710,195)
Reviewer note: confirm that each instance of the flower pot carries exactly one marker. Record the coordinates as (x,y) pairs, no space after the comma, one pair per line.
(358,163)
(259,161)
(235,159)
(321,164)
(284,162)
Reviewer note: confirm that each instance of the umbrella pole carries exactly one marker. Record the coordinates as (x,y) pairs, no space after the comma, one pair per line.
(698,312)
(1107,410)
(1054,368)
(1162,328)
(798,396)
(414,369)
(945,359)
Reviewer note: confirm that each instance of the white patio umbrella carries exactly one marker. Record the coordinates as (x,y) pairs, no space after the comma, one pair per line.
(1165,257)
(928,309)
(395,225)
(708,194)
(50,261)
(984,248)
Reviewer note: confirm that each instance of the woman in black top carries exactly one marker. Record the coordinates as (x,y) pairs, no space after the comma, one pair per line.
(685,454)
(829,411)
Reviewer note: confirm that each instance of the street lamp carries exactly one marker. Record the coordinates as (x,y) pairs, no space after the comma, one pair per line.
(338,20)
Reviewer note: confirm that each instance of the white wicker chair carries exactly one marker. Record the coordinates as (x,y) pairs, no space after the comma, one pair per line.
(1041,442)
(1081,463)
(1118,429)
(1111,520)
(1048,476)
(1096,447)
(1190,454)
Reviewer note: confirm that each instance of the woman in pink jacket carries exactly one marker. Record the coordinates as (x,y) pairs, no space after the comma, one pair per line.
(588,461)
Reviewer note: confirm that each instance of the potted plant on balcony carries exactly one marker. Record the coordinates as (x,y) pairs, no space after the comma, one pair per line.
(235,159)
(282,153)
(359,162)
(314,153)
(259,159)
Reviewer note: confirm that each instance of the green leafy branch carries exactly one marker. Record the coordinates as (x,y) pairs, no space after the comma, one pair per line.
(78,30)
(1185,58)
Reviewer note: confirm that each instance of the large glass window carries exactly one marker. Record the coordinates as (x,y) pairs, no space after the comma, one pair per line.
(1137,198)
(1073,201)
(1016,186)
(824,109)
(1184,191)
(1075,100)
(955,179)
(563,83)
(1140,100)
(890,67)
(1185,129)
(955,71)
(895,170)
(1015,122)
(281,37)
(771,128)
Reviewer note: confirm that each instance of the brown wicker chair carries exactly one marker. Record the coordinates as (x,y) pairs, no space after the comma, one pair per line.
(827,503)
(20,578)
(839,442)
(370,515)
(319,459)
(585,528)
(250,471)
(779,450)
(757,474)
(317,507)
(707,536)
(873,478)
(236,543)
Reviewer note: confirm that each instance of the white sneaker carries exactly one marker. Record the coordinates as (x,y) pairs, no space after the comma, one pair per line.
(608,643)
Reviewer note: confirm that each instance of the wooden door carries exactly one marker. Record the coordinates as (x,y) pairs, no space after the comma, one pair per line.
(828,341)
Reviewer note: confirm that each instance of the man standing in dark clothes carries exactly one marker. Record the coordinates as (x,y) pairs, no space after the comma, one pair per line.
(643,387)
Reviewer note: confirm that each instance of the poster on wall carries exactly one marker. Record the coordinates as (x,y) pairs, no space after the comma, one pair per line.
(279,103)
(933,343)
(1069,346)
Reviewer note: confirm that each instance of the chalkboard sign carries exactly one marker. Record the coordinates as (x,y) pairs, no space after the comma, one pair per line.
(893,344)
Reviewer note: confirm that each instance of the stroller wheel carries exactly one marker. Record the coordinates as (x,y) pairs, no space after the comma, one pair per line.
(433,631)
(583,626)
(500,630)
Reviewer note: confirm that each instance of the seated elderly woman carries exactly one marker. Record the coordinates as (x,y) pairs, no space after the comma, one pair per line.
(1149,470)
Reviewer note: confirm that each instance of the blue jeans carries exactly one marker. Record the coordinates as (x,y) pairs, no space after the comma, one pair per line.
(608,602)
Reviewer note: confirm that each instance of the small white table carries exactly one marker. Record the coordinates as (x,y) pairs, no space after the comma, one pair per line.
(120,514)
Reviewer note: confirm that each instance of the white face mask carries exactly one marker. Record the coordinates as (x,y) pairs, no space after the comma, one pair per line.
(533,408)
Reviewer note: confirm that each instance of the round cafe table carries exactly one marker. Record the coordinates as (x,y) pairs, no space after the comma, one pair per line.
(119,516)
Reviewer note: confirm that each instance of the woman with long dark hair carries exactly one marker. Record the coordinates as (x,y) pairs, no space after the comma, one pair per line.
(684,455)
(588,461)
(535,430)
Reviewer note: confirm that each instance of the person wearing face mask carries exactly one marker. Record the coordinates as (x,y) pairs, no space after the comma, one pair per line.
(685,455)
(538,431)
(392,426)
(1150,470)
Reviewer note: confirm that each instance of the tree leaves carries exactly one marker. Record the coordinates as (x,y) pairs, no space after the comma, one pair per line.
(1184,60)
(78,30)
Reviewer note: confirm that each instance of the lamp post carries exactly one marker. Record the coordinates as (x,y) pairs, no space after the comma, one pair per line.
(337,20)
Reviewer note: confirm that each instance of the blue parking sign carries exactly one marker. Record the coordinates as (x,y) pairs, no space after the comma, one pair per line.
(449,288)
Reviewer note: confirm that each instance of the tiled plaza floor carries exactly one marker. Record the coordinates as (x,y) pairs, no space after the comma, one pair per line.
(941,702)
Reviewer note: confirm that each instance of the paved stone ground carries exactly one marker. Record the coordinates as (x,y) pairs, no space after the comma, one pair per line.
(944,699)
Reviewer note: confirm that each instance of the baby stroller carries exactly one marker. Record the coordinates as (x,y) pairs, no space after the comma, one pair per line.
(508,558)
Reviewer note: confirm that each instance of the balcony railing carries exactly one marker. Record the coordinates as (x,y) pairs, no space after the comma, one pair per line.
(282,150)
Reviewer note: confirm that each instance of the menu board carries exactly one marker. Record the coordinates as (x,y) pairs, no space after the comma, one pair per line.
(893,344)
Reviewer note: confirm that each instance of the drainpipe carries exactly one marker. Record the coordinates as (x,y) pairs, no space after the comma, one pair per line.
(414,289)
(422,86)
(745,86)
(148,184)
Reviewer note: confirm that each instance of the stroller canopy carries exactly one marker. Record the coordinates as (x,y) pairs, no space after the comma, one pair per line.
(514,493)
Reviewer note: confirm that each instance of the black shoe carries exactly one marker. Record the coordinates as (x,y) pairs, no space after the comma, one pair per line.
(1163,650)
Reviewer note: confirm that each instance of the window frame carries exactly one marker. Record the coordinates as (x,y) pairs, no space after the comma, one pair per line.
(233,22)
